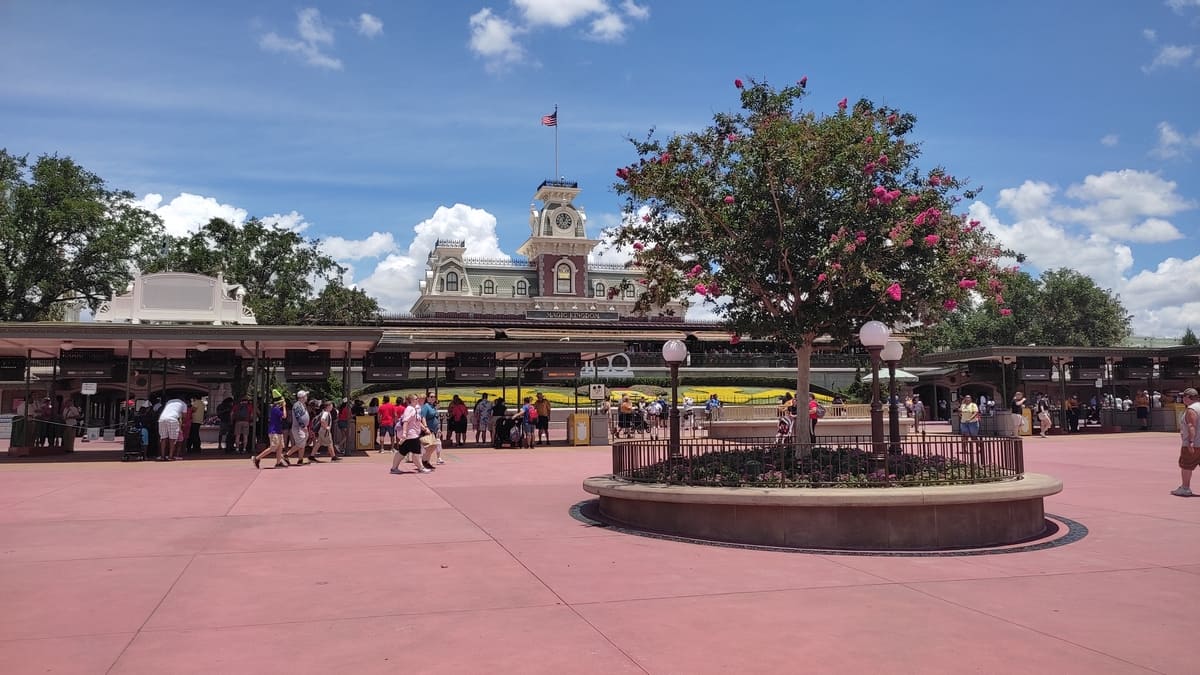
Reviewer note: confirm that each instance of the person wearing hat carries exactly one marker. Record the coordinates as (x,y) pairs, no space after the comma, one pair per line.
(1189,436)
(276,420)
(300,422)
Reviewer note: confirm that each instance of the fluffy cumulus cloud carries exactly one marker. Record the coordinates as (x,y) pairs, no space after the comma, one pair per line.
(369,25)
(314,38)
(1169,56)
(375,245)
(1173,143)
(186,213)
(496,38)
(1085,228)
(394,281)
(1180,5)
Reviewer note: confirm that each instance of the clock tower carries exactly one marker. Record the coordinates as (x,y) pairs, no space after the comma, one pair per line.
(558,244)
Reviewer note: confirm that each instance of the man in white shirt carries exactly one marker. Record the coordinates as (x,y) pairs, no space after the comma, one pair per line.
(170,429)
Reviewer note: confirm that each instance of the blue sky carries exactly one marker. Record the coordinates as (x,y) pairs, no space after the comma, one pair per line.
(379,126)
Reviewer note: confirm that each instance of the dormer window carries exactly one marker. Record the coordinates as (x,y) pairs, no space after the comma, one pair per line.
(522,287)
(598,289)
(489,287)
(451,282)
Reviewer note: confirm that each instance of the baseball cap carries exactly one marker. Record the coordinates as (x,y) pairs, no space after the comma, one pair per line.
(1191,392)
(302,394)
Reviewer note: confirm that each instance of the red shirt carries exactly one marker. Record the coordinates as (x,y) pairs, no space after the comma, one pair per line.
(387,414)
(812,409)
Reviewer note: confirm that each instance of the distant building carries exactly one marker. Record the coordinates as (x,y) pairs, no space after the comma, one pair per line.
(552,281)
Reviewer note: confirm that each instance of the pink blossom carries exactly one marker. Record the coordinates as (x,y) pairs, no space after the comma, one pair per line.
(714,289)
(870,167)
(737,83)
(731,137)
(623,173)
(891,119)
(890,196)
(950,304)
(644,282)
(994,284)
(646,218)
(822,277)
(637,246)
(934,180)
(664,158)
(908,242)
(836,266)
(973,223)
(879,191)
(701,289)
(913,199)
(842,104)
(728,199)
(833,238)
(695,272)
(860,239)
(873,202)
(920,219)
(803,81)
(869,139)
(734,339)
(851,248)
(893,292)
(1004,311)
(932,239)
(966,283)
(883,160)
(999,299)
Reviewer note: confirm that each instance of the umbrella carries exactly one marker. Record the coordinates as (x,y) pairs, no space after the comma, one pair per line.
(901,376)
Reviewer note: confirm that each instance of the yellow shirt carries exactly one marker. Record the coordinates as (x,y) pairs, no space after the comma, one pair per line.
(969,412)
(198,412)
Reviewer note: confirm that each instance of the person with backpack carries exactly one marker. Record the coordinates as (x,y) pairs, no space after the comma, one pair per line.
(528,421)
(815,412)
(242,415)
(456,421)
(324,429)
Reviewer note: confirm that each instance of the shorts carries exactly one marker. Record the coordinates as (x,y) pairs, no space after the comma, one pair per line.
(387,430)
(299,436)
(276,441)
(241,429)
(543,423)
(170,429)
(1189,457)
(343,424)
(970,429)
(324,439)
(1143,413)
(410,445)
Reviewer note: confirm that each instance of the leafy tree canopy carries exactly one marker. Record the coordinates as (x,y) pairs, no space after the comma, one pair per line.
(1063,307)
(278,267)
(1189,338)
(803,224)
(64,236)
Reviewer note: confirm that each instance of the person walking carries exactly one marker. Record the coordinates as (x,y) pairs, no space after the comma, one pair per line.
(918,414)
(325,422)
(456,421)
(276,423)
(1189,435)
(300,421)
(386,415)
(430,412)
(1043,414)
(1017,407)
(412,426)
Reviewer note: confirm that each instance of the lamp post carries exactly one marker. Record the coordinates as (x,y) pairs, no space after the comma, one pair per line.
(674,352)
(874,335)
(891,353)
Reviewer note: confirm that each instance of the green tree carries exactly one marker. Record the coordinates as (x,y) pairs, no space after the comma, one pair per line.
(278,268)
(1062,307)
(798,225)
(1189,338)
(65,236)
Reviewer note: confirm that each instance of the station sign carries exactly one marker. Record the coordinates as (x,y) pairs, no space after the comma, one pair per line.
(386,366)
(303,365)
(1034,374)
(90,364)
(473,366)
(12,368)
(214,363)
(556,367)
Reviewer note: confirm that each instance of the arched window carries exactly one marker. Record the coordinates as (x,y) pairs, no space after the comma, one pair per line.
(489,287)
(522,287)
(451,282)
(564,279)
(630,293)
(598,289)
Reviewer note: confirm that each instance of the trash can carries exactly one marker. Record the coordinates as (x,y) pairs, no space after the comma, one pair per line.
(364,432)
(17,439)
(579,429)
(598,433)
(68,439)
(1027,428)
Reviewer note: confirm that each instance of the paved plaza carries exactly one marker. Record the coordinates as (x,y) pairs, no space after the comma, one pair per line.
(209,566)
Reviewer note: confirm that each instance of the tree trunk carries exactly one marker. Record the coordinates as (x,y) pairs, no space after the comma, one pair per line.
(802,428)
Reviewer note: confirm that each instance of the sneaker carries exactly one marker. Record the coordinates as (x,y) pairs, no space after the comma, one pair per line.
(441,461)
(255,460)
(396,472)
(1182,492)
(314,460)
(424,470)
(336,458)
(281,465)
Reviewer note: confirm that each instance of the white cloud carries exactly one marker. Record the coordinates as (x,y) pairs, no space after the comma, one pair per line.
(1110,140)
(186,213)
(1170,56)
(495,39)
(368,25)
(1180,5)
(313,34)
(1030,200)
(1150,34)
(287,221)
(634,10)
(558,13)
(376,245)
(1172,143)
(1126,205)
(394,281)
(607,27)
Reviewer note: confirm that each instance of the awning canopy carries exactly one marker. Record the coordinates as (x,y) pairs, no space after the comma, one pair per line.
(901,376)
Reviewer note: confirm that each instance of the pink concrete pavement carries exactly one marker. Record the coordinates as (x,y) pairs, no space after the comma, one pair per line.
(207,565)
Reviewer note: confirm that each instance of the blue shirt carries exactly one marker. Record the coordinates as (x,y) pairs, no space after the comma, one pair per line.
(431,417)
(275,420)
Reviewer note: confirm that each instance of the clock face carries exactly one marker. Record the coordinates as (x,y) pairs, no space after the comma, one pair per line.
(563,221)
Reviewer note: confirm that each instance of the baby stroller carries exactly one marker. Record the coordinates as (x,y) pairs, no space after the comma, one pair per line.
(505,427)
(135,442)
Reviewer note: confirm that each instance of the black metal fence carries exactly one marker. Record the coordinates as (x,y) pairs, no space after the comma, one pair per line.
(832,461)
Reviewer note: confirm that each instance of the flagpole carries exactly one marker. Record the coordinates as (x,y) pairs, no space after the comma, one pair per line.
(555,141)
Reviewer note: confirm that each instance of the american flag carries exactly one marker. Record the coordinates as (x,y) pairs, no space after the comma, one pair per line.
(550,120)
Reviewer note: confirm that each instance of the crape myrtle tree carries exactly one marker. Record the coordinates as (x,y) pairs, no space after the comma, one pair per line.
(796,224)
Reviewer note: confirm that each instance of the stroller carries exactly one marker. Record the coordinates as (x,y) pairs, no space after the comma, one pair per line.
(506,427)
(135,442)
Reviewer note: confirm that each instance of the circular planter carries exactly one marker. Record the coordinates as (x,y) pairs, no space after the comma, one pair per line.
(877,519)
